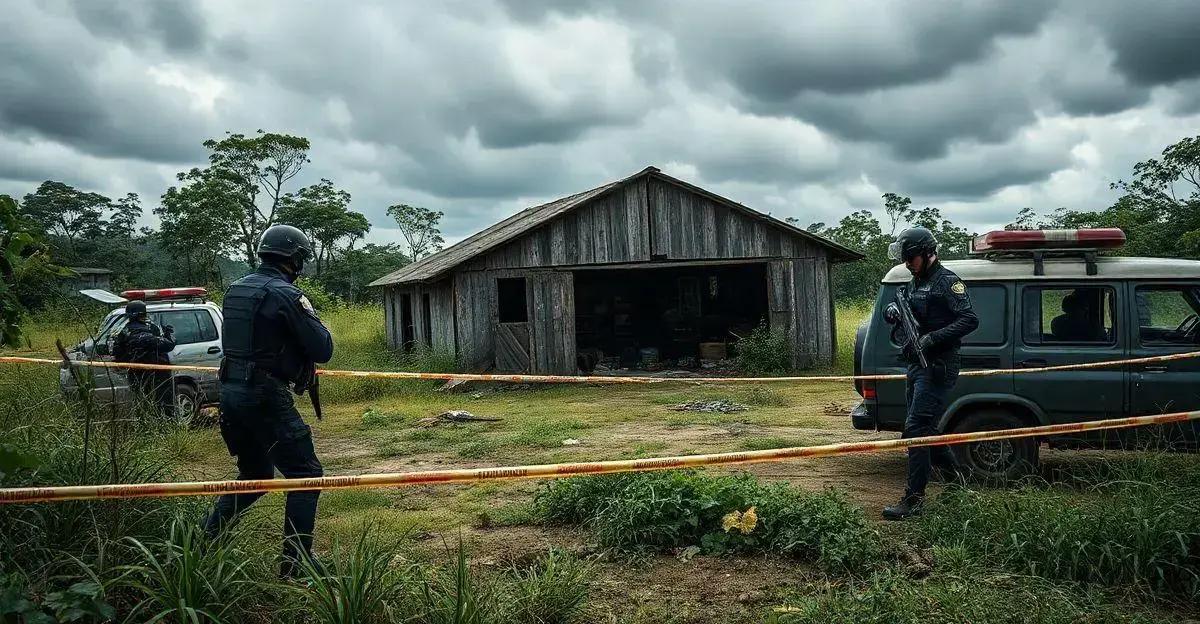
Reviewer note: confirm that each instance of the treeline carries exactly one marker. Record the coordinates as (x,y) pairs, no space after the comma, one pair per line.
(209,225)
(1159,210)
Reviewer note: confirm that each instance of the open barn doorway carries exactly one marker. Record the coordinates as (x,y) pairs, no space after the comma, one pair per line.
(665,317)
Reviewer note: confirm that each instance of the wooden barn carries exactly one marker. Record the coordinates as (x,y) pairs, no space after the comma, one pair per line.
(644,269)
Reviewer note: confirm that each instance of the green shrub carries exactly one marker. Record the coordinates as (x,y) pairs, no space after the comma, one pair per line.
(658,511)
(320,298)
(764,352)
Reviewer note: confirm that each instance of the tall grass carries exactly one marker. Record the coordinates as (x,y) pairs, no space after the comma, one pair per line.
(1135,523)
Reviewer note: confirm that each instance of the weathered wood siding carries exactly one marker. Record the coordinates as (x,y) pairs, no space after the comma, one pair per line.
(612,228)
(474,317)
(440,326)
(686,225)
(552,322)
(800,306)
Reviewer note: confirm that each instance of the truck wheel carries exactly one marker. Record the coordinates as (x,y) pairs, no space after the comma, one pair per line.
(997,461)
(187,403)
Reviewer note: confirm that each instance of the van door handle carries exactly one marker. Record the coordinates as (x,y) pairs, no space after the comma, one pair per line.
(214,350)
(1154,369)
(1032,363)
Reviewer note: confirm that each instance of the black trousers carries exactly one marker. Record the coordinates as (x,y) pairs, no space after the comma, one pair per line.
(262,428)
(925,391)
(154,388)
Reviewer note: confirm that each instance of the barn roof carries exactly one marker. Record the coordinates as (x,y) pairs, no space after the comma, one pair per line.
(436,265)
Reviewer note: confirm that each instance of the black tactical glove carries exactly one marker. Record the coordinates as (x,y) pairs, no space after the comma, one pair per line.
(891,313)
(168,329)
(925,342)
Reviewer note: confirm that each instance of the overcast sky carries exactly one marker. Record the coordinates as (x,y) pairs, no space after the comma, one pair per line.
(481,108)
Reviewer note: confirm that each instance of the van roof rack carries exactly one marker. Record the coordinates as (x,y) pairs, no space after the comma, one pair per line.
(1039,244)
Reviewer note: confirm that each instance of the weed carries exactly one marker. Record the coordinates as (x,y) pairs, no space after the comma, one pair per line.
(552,591)
(763,396)
(356,584)
(764,352)
(187,578)
(1125,533)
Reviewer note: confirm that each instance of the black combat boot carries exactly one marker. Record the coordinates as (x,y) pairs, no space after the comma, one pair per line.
(910,505)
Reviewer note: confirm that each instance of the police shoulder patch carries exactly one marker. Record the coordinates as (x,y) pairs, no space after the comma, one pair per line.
(307,305)
(958,288)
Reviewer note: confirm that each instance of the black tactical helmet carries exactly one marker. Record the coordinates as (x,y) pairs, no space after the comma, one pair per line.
(134,309)
(911,243)
(285,241)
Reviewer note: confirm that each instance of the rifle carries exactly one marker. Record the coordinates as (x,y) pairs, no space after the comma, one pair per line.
(310,382)
(909,323)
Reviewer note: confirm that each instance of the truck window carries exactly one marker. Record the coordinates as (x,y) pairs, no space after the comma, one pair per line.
(1080,315)
(1167,315)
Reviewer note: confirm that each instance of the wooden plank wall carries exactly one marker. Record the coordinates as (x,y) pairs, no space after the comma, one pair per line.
(552,322)
(474,317)
(687,225)
(799,304)
(441,318)
(612,228)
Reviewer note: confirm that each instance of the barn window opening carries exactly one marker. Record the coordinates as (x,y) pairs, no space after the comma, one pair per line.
(426,320)
(407,330)
(511,300)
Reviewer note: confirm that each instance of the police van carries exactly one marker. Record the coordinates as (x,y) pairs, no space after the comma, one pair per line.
(197,323)
(1049,298)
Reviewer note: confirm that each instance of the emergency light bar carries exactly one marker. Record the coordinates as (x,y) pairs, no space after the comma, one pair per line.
(1059,240)
(165,293)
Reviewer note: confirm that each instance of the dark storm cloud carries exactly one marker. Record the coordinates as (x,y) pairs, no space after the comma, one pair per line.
(1155,42)
(174,24)
(482,108)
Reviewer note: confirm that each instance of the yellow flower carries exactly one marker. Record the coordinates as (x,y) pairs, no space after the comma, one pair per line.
(743,522)
(731,521)
(749,521)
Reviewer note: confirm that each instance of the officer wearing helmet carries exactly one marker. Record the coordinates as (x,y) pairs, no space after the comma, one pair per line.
(272,339)
(143,342)
(942,308)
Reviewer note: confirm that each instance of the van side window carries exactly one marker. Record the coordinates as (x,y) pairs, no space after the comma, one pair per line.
(190,328)
(1079,315)
(990,302)
(1167,315)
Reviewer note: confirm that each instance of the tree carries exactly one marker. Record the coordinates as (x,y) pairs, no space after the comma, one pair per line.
(200,221)
(953,242)
(321,212)
(1166,191)
(65,211)
(897,208)
(250,165)
(24,265)
(348,275)
(122,223)
(419,227)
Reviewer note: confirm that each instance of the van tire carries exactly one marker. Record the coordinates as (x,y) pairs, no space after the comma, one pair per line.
(187,403)
(998,461)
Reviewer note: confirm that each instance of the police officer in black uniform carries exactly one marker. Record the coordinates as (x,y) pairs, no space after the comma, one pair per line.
(272,339)
(942,309)
(142,342)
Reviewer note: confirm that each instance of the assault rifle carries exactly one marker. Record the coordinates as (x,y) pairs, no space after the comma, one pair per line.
(310,382)
(912,330)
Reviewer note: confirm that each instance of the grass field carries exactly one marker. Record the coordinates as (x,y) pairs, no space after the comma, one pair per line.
(1102,538)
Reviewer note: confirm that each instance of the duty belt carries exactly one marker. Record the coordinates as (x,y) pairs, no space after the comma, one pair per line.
(246,371)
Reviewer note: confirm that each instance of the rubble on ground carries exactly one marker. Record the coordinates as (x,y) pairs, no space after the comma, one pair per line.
(454,416)
(717,406)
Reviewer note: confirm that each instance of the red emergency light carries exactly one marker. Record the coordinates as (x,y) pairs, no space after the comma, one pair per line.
(1032,240)
(165,293)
